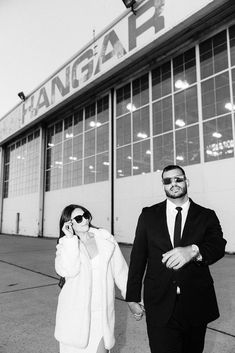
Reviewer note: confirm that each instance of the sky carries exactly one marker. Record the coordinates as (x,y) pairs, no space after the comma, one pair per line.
(38,37)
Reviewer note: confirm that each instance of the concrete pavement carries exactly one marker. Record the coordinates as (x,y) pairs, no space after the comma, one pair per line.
(28,299)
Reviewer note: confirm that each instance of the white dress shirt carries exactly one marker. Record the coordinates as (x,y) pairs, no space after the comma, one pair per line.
(171,213)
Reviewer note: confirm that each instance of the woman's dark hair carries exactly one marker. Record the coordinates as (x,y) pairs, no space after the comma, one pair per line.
(66,216)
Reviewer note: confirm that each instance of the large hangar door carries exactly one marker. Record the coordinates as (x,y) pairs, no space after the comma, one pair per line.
(135,184)
(78,162)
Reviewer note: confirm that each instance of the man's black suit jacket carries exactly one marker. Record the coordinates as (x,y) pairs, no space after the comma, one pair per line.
(152,239)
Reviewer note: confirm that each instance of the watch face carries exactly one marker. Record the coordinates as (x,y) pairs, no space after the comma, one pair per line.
(197,256)
(195,249)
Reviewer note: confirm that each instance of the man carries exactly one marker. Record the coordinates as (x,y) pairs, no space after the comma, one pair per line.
(172,251)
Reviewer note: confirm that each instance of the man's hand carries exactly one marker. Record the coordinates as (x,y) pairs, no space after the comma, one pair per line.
(136,309)
(178,257)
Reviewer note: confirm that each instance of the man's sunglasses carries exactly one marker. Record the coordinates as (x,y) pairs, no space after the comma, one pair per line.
(178,179)
(80,217)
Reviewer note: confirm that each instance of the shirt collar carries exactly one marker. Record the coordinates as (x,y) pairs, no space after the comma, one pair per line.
(171,206)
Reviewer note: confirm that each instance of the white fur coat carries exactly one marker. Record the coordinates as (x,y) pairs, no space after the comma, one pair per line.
(73,310)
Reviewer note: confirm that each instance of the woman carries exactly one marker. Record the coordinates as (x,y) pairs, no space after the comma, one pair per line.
(91,262)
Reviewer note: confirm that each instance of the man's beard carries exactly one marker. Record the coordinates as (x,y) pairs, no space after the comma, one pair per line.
(183,192)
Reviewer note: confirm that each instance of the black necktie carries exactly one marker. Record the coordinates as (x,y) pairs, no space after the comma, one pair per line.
(177,229)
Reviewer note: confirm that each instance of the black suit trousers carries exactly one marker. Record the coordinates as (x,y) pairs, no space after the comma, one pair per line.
(178,336)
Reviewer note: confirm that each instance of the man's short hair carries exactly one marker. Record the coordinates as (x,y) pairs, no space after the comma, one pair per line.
(171,167)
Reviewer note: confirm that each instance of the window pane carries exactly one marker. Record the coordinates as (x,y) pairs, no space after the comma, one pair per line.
(21,166)
(163,151)
(77,147)
(233,84)
(90,143)
(103,110)
(208,99)
(28,162)
(123,130)
(141,124)
(162,116)
(124,159)
(89,170)
(193,145)
(161,81)
(77,173)
(78,122)
(187,146)
(35,135)
(184,68)
(123,99)
(30,139)
(232,44)
(67,175)
(206,58)
(222,93)
(57,156)
(141,157)
(58,132)
(56,176)
(218,139)
(50,136)
(68,128)
(102,167)
(67,151)
(7,155)
(215,96)
(213,55)
(90,118)
(102,138)
(220,52)
(141,91)
(186,110)
(69,144)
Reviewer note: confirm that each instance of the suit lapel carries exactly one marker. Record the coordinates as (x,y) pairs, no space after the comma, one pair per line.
(192,212)
(162,222)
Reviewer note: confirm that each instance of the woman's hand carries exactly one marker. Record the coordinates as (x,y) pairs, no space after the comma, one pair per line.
(68,229)
(137,310)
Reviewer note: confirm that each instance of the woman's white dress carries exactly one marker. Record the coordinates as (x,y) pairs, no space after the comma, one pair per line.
(96,329)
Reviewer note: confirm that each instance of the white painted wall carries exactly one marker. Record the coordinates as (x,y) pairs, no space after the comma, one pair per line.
(27,206)
(95,197)
(211,185)
(131,195)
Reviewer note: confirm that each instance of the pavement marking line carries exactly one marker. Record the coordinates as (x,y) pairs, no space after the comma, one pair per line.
(223,332)
(28,288)
(25,251)
(46,275)
(28,269)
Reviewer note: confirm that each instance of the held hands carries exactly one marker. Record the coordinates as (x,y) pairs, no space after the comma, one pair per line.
(178,257)
(68,229)
(137,310)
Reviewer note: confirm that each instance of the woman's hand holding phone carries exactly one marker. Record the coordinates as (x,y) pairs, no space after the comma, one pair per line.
(68,229)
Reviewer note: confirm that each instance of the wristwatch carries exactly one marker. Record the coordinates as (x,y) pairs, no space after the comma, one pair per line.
(197,256)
